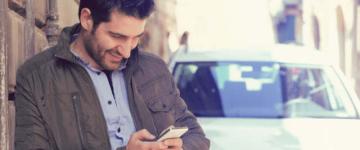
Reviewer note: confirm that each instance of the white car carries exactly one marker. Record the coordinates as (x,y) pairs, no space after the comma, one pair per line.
(279,98)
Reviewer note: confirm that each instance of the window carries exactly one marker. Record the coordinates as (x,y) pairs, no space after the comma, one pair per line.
(262,90)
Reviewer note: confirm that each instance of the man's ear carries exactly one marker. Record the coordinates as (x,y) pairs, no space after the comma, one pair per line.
(86,20)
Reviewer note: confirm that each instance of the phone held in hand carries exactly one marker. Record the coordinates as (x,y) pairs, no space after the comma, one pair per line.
(172,132)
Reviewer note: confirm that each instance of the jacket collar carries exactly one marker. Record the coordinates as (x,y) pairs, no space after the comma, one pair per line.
(63,48)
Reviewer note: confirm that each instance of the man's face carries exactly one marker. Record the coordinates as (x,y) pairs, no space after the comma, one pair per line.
(113,41)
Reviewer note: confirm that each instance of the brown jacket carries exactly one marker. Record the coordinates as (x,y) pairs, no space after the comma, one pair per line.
(57,106)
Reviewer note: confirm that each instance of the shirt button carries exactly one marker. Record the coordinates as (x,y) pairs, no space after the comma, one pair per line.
(109,102)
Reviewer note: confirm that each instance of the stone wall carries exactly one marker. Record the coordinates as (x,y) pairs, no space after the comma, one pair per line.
(67,15)
(26,36)
(17,29)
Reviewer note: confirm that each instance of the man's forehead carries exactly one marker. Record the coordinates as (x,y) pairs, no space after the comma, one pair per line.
(125,25)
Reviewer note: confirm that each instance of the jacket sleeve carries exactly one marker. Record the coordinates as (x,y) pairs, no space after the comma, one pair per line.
(194,138)
(30,131)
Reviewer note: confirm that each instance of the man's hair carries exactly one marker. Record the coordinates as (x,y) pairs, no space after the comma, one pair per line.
(101,9)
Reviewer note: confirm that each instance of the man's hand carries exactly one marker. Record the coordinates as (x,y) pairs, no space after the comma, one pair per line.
(141,140)
(173,144)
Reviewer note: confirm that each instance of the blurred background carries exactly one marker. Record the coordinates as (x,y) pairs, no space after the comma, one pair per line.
(330,26)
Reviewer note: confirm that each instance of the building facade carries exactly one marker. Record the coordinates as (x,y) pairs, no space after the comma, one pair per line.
(331,26)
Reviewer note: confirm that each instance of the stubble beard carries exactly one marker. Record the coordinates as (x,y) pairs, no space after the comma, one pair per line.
(95,54)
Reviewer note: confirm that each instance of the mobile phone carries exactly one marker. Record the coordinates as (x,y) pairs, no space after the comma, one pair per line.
(172,132)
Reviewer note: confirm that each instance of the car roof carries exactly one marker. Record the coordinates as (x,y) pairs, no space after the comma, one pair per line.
(274,53)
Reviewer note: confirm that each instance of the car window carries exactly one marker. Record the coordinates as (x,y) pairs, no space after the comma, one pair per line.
(315,92)
(231,89)
(261,89)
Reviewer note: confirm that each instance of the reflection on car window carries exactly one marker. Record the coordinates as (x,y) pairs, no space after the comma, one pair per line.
(311,93)
(260,89)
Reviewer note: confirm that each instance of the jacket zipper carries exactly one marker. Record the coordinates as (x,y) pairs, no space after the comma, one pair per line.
(76,104)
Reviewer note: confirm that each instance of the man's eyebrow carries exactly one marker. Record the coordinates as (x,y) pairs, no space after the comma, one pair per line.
(141,34)
(122,35)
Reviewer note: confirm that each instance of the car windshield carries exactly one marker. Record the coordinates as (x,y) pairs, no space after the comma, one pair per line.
(262,90)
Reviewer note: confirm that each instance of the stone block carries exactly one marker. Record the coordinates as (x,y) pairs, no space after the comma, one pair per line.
(19,3)
(40,40)
(11,121)
(16,48)
(17,6)
(67,11)
(40,10)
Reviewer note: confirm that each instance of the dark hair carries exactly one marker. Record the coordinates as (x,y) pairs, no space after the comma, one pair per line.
(101,9)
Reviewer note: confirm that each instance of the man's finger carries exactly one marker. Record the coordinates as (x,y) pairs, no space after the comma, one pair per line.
(175,142)
(155,145)
(175,148)
(143,135)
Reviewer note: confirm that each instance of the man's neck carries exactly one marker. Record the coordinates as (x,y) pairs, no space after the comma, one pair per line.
(78,47)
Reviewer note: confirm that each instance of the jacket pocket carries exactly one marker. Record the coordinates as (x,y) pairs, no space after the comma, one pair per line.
(163,103)
(162,111)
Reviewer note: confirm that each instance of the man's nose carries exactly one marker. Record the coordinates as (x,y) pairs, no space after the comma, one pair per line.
(126,47)
(123,50)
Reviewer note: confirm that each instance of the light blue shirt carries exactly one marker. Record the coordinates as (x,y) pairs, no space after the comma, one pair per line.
(119,121)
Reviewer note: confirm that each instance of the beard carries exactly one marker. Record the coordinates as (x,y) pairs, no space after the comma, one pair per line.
(98,55)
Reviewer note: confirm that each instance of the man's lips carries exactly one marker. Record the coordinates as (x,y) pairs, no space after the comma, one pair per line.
(115,57)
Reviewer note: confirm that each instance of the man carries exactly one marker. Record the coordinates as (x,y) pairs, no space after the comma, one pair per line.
(95,89)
